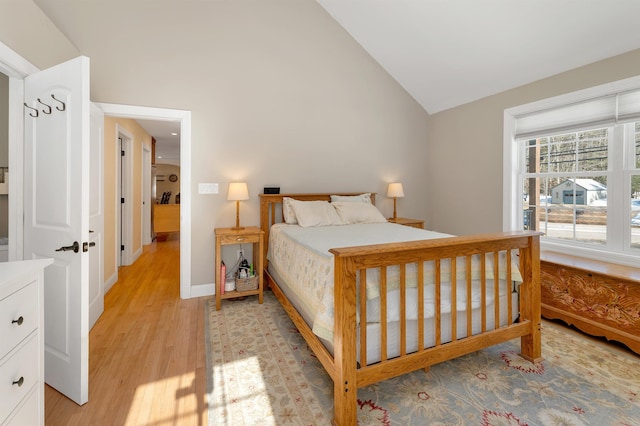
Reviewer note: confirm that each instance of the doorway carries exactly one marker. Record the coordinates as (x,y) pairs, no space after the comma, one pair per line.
(184,118)
(16,68)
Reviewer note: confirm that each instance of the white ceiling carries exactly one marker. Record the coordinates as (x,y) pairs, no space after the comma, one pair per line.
(447,53)
(167,143)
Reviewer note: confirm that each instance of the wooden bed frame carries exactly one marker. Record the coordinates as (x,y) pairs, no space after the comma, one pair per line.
(350,373)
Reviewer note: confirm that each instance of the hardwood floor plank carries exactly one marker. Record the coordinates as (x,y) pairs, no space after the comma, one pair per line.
(146,352)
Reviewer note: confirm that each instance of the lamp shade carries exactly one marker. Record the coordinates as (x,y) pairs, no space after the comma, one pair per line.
(238,191)
(395,190)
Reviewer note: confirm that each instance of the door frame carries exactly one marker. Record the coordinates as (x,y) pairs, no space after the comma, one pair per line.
(184,117)
(96,216)
(124,190)
(146,196)
(16,68)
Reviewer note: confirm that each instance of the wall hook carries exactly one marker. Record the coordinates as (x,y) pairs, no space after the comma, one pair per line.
(33,110)
(64,106)
(48,107)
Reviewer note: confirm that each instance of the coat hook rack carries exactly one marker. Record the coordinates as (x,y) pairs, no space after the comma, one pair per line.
(64,106)
(48,107)
(33,110)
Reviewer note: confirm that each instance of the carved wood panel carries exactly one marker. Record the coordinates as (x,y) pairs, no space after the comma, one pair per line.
(598,299)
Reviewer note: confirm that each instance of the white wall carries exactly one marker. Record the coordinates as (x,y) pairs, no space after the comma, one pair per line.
(465,147)
(279,94)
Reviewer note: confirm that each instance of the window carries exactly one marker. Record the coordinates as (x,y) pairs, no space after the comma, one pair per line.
(572,171)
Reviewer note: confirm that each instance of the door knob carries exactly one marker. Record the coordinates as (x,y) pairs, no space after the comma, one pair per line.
(75,247)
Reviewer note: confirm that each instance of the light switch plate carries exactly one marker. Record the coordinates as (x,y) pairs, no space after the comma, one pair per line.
(207,188)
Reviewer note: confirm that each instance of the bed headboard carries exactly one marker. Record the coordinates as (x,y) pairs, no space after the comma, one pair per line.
(271,210)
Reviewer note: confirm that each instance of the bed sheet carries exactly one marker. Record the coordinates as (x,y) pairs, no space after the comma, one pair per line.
(300,256)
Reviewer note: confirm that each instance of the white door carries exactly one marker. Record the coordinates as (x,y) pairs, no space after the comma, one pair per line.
(96,216)
(56,215)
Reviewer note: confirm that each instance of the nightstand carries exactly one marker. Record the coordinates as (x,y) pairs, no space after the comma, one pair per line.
(248,235)
(416,223)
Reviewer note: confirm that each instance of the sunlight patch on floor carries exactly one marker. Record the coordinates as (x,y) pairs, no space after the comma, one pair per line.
(144,406)
(251,393)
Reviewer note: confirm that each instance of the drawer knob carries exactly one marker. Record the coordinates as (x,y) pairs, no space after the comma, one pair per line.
(18,321)
(19,382)
(240,239)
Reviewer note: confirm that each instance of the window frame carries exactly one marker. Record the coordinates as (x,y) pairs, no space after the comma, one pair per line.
(512,217)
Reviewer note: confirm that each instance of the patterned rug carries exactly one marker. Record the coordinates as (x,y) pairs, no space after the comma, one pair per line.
(261,372)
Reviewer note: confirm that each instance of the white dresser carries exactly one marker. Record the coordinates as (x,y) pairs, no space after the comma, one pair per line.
(22,342)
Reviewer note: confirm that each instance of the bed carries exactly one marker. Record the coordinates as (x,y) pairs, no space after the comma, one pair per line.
(357,303)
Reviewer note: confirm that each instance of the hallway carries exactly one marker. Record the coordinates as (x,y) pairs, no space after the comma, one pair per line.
(146,352)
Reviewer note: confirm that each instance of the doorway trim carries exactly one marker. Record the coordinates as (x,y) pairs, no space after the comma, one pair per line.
(146,196)
(124,175)
(16,68)
(184,117)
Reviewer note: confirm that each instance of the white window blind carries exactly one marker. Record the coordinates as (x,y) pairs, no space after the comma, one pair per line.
(629,106)
(589,113)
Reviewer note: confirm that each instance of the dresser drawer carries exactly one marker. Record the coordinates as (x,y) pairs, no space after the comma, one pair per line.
(28,413)
(18,316)
(23,363)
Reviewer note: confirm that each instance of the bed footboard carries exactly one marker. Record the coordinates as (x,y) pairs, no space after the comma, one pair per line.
(351,266)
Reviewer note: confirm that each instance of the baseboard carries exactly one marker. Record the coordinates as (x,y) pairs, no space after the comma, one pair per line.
(136,255)
(108,283)
(202,290)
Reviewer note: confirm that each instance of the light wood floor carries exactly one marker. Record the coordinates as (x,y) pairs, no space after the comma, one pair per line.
(146,352)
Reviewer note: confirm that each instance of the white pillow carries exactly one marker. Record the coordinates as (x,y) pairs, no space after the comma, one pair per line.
(351,213)
(315,213)
(362,198)
(288,212)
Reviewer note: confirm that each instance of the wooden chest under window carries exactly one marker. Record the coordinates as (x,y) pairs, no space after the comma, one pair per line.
(598,298)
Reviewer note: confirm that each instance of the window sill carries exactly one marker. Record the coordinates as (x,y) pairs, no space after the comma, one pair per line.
(591,265)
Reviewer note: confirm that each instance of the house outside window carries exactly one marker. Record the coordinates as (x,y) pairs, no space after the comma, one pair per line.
(572,171)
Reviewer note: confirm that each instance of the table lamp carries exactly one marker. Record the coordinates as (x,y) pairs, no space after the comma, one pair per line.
(394,191)
(238,191)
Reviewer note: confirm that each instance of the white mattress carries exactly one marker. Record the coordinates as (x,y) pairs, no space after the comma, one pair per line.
(299,260)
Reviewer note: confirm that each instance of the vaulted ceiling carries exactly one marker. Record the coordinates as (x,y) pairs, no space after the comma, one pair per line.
(448,53)
(444,53)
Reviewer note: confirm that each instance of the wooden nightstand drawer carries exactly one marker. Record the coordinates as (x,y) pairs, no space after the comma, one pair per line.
(239,239)
(415,223)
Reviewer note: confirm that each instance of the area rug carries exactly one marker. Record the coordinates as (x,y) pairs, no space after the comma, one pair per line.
(261,372)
